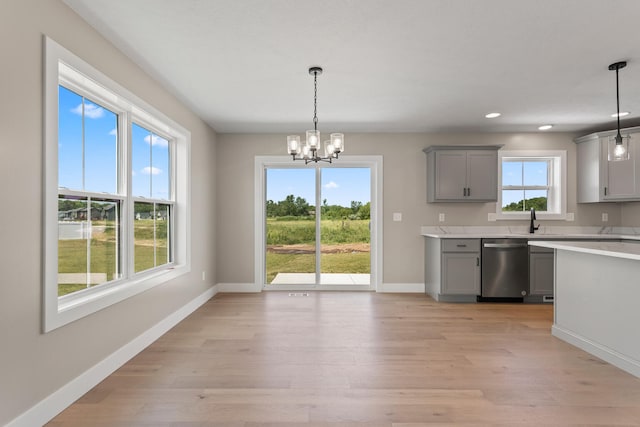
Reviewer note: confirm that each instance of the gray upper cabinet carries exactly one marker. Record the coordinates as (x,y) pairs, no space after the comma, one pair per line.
(601,180)
(462,173)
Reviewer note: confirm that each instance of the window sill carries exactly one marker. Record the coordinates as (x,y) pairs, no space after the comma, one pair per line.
(526,216)
(69,308)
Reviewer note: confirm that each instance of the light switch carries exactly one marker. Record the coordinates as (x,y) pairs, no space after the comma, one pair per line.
(441,217)
(605,217)
(397,216)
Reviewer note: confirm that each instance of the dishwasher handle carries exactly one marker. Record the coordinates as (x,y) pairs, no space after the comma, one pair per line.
(504,245)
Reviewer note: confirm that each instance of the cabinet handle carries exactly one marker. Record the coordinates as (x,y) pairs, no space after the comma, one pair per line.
(605,191)
(477,262)
(464,192)
(461,246)
(468,191)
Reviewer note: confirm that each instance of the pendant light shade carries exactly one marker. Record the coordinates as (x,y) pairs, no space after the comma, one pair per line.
(618,145)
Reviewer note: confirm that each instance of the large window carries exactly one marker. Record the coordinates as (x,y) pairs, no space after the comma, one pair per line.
(116,192)
(532,180)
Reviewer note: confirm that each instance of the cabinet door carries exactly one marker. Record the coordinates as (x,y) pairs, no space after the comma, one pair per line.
(482,175)
(461,273)
(541,274)
(619,177)
(450,177)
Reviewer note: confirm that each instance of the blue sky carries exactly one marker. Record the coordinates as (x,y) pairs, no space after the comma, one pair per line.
(150,153)
(339,186)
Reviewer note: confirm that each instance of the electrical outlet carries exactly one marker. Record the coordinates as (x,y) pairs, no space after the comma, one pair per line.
(441,217)
(204,276)
(605,217)
(397,216)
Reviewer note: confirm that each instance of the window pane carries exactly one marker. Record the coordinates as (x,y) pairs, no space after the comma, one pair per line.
(143,236)
(160,168)
(100,148)
(140,161)
(536,173)
(105,236)
(512,200)
(69,139)
(291,226)
(511,173)
(162,234)
(73,234)
(536,199)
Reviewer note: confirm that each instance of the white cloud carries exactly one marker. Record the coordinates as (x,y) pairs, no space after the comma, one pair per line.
(90,110)
(156,140)
(331,184)
(151,170)
(113,131)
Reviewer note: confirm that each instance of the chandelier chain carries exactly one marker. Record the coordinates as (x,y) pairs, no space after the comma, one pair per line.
(618,103)
(315,101)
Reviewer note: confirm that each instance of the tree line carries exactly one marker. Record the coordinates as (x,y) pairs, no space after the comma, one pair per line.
(298,207)
(537,203)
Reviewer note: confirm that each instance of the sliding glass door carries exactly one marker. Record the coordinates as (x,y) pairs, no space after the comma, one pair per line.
(318,226)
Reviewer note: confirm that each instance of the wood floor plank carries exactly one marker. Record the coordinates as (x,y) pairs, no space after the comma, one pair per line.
(356,359)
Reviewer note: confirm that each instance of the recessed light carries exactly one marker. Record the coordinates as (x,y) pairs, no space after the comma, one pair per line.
(545,127)
(622,114)
(492,115)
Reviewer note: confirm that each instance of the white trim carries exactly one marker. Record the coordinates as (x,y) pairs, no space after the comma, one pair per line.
(52,405)
(605,353)
(559,170)
(58,312)
(374,163)
(238,287)
(402,288)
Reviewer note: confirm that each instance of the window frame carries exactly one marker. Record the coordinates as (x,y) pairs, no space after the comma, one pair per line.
(557,183)
(61,67)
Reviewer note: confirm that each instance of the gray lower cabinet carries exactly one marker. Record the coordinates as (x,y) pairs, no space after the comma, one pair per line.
(452,269)
(461,273)
(540,271)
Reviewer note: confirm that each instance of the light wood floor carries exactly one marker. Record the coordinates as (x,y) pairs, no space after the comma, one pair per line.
(360,359)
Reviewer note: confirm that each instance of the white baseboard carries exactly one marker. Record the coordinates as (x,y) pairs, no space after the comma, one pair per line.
(52,405)
(238,287)
(605,353)
(402,287)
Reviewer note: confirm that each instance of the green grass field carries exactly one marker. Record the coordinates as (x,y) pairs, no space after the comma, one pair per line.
(334,233)
(303,231)
(72,254)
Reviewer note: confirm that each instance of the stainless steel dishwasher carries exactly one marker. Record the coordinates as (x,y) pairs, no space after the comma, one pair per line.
(505,269)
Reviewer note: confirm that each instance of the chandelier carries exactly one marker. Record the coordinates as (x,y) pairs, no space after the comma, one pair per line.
(618,145)
(313,150)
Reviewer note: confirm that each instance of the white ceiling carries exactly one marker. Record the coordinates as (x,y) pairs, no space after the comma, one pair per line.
(390,65)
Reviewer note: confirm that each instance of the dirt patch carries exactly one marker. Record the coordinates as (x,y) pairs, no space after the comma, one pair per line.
(326,249)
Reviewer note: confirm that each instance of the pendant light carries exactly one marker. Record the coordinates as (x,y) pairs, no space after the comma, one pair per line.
(618,146)
(312,148)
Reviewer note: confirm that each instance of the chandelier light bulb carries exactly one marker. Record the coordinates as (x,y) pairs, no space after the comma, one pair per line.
(293,144)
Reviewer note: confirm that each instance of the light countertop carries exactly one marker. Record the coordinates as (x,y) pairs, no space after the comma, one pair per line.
(628,250)
(522,232)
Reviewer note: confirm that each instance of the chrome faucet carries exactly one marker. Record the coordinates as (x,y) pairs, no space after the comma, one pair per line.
(532,229)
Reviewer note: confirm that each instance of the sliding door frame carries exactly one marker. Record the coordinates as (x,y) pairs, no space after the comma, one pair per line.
(262,163)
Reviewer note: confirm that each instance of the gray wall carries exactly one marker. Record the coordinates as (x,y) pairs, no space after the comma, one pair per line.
(404,190)
(631,214)
(34,365)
